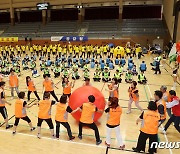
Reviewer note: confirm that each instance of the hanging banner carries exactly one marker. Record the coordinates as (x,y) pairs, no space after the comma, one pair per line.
(8,39)
(69,38)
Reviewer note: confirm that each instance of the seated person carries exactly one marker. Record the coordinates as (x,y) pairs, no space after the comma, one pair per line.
(97,74)
(134,71)
(129,77)
(75,74)
(106,75)
(111,65)
(35,73)
(117,76)
(142,78)
(143,66)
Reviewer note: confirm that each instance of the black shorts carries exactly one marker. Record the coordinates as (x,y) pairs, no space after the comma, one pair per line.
(3,111)
(68,95)
(48,121)
(26,118)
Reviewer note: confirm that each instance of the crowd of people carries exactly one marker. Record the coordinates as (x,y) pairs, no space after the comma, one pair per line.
(65,64)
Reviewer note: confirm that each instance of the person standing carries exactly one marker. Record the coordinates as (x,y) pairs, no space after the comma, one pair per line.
(88,110)
(114,114)
(149,129)
(161,105)
(20,112)
(175,106)
(113,89)
(13,83)
(44,114)
(61,116)
(166,98)
(48,86)
(133,97)
(67,86)
(31,88)
(3,109)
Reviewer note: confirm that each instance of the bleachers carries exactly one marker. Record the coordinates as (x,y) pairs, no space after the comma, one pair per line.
(143,27)
(93,28)
(61,28)
(22,29)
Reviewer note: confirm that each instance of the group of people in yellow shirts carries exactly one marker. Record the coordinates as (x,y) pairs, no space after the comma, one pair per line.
(78,50)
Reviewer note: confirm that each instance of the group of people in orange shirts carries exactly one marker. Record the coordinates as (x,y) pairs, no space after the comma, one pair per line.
(151,118)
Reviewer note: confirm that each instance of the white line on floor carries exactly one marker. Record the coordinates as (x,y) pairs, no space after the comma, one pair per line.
(46,138)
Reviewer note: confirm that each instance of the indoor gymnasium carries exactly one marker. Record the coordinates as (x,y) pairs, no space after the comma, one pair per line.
(89,76)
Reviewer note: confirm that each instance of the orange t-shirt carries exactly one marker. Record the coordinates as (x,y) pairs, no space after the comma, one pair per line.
(67,89)
(13,81)
(31,86)
(48,85)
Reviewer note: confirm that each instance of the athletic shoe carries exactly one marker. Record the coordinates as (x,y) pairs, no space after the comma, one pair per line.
(99,142)
(135,150)
(12,98)
(163,131)
(80,137)
(9,126)
(108,145)
(38,136)
(122,147)
(72,138)
(32,129)
(128,112)
(14,132)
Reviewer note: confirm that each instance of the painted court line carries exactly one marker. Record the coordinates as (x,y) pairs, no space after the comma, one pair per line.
(165,136)
(46,138)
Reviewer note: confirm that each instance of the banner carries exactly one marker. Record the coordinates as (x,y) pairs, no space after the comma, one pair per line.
(173,50)
(69,38)
(8,39)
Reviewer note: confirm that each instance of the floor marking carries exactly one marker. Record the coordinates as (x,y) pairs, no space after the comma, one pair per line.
(46,138)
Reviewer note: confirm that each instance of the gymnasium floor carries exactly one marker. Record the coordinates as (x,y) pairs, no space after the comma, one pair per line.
(25,142)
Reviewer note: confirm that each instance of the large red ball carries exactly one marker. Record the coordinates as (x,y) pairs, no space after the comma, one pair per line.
(80,96)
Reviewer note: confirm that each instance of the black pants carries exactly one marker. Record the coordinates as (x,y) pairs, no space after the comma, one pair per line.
(111,55)
(83,54)
(106,79)
(176,120)
(92,126)
(141,145)
(75,78)
(35,92)
(66,125)
(157,69)
(26,118)
(3,111)
(88,54)
(68,95)
(97,79)
(53,94)
(48,121)
(56,74)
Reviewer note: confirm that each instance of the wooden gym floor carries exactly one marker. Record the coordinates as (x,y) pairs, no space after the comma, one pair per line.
(25,142)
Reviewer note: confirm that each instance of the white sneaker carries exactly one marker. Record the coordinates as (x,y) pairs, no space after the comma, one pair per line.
(161,128)
(128,112)
(12,98)
(163,131)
